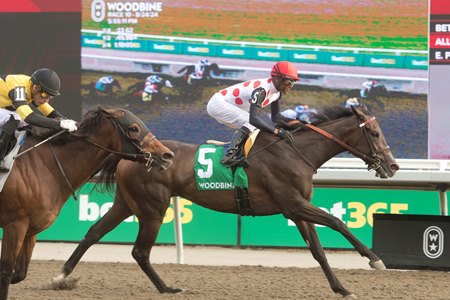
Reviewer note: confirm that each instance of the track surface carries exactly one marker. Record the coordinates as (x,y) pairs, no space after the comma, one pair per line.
(272,279)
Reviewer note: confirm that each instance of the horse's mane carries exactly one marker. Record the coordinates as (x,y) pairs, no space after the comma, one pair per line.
(329,113)
(106,176)
(90,123)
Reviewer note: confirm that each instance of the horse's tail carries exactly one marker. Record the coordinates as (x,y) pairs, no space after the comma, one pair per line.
(107,174)
(215,69)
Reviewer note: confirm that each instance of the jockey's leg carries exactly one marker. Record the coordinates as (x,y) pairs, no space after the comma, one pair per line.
(6,138)
(235,152)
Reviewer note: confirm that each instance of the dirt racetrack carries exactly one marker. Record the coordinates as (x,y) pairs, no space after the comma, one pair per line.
(127,281)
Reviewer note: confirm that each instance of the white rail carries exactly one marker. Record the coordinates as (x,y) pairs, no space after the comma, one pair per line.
(265,45)
(414,174)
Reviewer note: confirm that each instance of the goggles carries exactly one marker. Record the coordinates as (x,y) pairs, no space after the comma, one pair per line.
(45,95)
(288,82)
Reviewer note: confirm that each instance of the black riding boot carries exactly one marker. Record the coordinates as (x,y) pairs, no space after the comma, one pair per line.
(234,156)
(7,141)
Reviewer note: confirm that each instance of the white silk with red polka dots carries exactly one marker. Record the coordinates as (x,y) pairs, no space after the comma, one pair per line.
(231,106)
(240,94)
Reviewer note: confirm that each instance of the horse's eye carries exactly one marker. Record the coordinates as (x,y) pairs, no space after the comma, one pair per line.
(133,131)
(375,134)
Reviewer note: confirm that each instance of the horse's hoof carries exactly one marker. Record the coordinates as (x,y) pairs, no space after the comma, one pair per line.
(351,296)
(176,291)
(377,265)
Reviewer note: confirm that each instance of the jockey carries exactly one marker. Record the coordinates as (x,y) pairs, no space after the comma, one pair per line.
(199,70)
(17,93)
(149,90)
(105,84)
(153,79)
(366,87)
(351,102)
(152,86)
(240,106)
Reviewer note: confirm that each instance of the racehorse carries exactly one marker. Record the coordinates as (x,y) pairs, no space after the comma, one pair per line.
(109,90)
(43,178)
(279,181)
(213,69)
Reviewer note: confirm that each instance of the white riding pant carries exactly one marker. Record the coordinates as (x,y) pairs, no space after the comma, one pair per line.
(227,113)
(5,115)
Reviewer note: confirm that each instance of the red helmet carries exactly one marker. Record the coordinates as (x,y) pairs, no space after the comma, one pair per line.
(285,69)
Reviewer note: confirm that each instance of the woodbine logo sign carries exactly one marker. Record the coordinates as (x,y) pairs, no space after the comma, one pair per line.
(124,12)
(433,242)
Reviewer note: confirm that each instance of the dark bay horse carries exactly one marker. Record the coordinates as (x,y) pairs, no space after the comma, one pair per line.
(43,178)
(279,178)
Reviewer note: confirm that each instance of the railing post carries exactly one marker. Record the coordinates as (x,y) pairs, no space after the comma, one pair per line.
(442,189)
(178,230)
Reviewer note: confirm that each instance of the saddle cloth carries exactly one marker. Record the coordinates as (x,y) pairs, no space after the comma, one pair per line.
(9,159)
(212,175)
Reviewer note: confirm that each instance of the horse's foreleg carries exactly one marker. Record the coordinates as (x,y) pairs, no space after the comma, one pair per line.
(309,234)
(23,260)
(307,212)
(13,236)
(148,231)
(118,212)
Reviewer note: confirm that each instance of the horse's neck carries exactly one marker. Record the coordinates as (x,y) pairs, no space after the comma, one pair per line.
(79,159)
(318,149)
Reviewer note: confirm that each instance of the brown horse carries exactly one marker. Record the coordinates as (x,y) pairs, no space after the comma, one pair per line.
(279,179)
(42,179)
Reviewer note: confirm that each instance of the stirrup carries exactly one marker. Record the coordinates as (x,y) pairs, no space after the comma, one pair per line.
(240,162)
(228,157)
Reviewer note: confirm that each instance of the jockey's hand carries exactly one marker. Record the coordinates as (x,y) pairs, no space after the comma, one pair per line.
(285,135)
(70,125)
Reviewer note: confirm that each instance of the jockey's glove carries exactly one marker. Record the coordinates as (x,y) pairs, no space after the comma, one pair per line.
(285,135)
(70,125)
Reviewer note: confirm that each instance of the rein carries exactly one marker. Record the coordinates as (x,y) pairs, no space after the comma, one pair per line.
(63,173)
(373,162)
(296,150)
(354,151)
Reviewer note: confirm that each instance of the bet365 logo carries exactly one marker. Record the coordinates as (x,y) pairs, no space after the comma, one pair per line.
(433,242)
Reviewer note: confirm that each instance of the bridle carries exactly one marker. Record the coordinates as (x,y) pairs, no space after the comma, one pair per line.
(135,142)
(140,142)
(372,160)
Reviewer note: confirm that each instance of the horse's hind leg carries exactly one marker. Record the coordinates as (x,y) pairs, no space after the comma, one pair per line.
(118,212)
(23,260)
(309,234)
(148,231)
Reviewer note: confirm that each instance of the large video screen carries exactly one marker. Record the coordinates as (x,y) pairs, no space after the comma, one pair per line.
(165,60)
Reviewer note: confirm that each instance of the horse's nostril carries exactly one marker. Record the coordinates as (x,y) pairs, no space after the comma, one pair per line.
(167,156)
(395,167)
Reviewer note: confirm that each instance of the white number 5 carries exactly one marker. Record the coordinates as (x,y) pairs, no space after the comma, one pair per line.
(205,161)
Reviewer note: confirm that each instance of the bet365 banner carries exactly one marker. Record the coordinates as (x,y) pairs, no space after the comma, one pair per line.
(355,207)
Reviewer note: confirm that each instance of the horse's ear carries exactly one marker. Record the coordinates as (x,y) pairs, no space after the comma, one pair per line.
(356,112)
(116,113)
